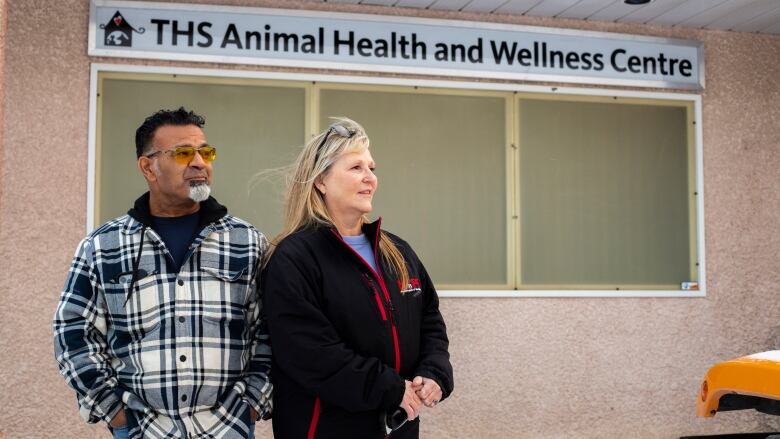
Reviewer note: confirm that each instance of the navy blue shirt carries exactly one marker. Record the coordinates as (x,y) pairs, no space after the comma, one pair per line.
(177,233)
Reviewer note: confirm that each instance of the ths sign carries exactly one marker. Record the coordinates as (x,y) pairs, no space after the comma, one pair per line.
(279,37)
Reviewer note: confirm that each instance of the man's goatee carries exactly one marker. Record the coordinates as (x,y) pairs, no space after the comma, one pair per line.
(199,191)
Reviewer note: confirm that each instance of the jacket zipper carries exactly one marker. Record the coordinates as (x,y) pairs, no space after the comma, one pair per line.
(378,299)
(382,304)
(315,419)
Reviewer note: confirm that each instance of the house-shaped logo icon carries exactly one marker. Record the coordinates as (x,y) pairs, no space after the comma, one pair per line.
(118,32)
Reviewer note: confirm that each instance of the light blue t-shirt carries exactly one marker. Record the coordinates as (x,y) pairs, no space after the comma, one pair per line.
(361,245)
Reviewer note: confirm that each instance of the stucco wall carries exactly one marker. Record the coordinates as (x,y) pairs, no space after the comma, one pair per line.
(3,26)
(536,368)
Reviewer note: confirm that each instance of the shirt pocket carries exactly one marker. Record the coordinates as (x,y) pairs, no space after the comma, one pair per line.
(134,314)
(225,291)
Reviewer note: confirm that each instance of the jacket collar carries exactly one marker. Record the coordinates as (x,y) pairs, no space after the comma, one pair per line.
(210,212)
(371,230)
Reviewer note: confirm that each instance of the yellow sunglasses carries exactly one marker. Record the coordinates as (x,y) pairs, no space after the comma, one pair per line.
(184,154)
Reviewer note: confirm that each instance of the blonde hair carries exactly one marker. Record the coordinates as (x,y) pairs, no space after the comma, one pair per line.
(304,203)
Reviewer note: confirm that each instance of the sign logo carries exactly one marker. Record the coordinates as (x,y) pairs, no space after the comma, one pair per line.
(118,32)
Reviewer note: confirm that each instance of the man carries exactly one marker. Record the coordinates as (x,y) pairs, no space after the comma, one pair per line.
(158,328)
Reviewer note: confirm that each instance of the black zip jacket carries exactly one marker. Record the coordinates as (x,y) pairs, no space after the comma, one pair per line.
(344,337)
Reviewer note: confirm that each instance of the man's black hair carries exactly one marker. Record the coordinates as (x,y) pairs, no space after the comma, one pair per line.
(145,133)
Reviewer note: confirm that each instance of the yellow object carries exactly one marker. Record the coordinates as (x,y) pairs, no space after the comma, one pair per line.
(749,380)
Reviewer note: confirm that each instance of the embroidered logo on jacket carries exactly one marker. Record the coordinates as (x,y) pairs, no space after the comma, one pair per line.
(412,287)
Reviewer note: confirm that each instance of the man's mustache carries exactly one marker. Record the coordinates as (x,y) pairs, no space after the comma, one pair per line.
(188,177)
(198,183)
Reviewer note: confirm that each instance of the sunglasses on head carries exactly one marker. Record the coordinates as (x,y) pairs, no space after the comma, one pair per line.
(184,154)
(335,128)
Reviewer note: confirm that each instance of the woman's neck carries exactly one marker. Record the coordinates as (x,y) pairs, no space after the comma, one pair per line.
(348,226)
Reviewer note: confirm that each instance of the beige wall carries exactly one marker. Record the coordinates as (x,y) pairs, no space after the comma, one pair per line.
(3,26)
(536,368)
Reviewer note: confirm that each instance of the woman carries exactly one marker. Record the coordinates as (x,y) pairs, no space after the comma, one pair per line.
(359,345)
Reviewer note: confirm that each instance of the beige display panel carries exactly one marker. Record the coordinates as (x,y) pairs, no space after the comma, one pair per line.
(254,125)
(494,190)
(606,201)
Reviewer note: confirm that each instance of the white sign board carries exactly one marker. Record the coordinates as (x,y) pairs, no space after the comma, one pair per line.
(280,37)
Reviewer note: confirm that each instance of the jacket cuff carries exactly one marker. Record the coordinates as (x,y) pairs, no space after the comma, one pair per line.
(394,395)
(260,400)
(103,410)
(113,412)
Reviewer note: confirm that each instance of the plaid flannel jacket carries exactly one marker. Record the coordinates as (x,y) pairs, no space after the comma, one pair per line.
(185,353)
